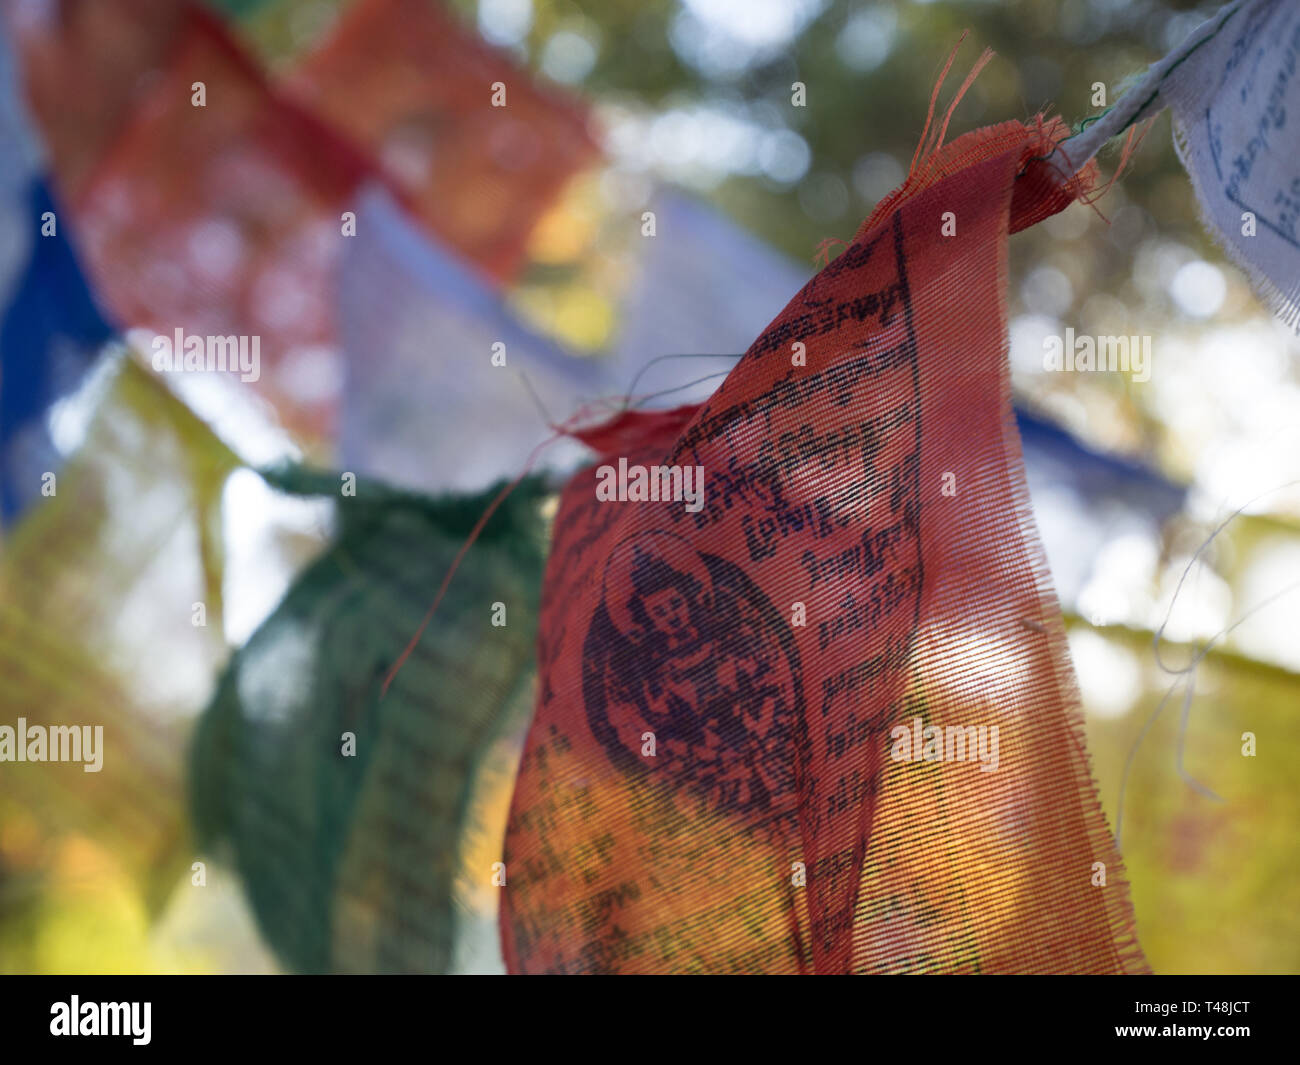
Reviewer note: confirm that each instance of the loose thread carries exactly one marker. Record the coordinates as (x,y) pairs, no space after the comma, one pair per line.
(1132,142)
(584,414)
(1186,675)
(460,555)
(631,388)
(934,99)
(822,256)
(985,58)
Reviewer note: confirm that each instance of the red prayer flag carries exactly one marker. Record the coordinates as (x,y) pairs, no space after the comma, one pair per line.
(223,218)
(86,67)
(820,717)
(407,81)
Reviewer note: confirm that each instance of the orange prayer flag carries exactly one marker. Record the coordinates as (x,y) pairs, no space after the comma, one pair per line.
(480,146)
(86,68)
(805,702)
(217,214)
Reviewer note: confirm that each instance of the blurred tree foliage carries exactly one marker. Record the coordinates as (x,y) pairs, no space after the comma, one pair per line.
(869,69)
(1213,883)
(800,174)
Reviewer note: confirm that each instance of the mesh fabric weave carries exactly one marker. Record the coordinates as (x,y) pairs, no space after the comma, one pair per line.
(711,782)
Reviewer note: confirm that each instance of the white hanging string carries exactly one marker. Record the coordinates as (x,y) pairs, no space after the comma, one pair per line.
(1142,100)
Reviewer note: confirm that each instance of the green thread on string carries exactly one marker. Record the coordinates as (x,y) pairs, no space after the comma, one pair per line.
(1137,115)
(1091,119)
(1181,59)
(1079,128)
